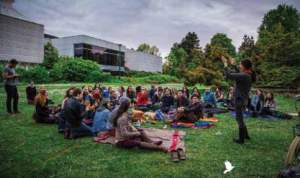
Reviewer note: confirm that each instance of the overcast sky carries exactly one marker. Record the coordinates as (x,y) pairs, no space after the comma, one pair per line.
(157,22)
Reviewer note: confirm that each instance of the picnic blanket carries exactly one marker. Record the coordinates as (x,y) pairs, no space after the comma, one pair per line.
(196,125)
(172,139)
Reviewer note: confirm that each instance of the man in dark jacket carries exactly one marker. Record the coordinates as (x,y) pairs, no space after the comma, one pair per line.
(74,113)
(192,113)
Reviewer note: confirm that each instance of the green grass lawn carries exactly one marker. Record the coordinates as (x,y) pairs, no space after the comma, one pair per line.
(28,149)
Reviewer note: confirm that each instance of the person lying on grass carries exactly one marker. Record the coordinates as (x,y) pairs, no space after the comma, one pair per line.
(129,137)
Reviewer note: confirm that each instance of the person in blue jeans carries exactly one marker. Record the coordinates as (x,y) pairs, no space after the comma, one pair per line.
(209,99)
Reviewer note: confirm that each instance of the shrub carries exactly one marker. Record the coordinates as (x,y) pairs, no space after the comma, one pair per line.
(38,74)
(77,70)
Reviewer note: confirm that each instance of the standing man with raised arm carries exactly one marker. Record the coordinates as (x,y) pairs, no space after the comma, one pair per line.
(10,83)
(243,80)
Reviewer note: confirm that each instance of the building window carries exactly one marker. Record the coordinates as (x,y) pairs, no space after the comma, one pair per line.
(100,55)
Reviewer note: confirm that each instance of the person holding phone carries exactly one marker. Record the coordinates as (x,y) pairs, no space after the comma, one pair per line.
(243,80)
(10,84)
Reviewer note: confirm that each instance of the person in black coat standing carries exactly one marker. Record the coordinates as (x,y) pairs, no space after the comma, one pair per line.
(243,80)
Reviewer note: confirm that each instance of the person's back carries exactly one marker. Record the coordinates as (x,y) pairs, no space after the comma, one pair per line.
(72,112)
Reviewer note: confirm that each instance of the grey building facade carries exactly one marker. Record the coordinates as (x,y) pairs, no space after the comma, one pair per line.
(111,56)
(20,39)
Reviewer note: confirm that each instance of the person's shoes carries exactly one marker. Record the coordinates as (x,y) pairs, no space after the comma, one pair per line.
(67,134)
(181,154)
(241,138)
(17,112)
(238,141)
(174,156)
(11,113)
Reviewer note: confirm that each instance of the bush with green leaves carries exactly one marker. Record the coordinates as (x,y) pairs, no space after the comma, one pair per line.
(38,74)
(76,70)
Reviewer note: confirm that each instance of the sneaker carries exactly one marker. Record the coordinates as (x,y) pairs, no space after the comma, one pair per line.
(174,156)
(181,154)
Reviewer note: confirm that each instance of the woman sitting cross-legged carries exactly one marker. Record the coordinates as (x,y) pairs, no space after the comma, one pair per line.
(192,113)
(43,114)
(127,136)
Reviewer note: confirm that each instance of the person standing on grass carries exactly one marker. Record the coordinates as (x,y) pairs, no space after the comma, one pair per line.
(243,80)
(10,84)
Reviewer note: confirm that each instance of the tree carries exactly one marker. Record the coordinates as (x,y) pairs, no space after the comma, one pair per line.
(247,48)
(190,42)
(222,41)
(50,56)
(278,47)
(146,48)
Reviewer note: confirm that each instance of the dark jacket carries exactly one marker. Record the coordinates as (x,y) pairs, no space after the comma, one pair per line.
(73,112)
(30,93)
(42,111)
(242,85)
(181,102)
(167,101)
(196,108)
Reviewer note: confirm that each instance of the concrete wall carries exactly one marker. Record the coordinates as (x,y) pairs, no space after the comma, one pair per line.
(140,61)
(21,40)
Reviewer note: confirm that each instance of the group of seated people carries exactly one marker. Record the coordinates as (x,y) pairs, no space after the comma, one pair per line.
(265,105)
(90,110)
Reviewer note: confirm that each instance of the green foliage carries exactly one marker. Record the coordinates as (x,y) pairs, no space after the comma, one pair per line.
(50,55)
(278,48)
(189,42)
(75,69)
(222,41)
(247,48)
(144,47)
(38,74)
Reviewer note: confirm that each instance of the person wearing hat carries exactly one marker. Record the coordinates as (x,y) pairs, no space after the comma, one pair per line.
(10,84)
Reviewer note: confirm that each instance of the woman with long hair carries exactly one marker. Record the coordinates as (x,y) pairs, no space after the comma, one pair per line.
(126,135)
(243,80)
(43,114)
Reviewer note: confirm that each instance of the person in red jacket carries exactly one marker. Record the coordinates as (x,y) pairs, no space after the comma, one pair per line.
(142,100)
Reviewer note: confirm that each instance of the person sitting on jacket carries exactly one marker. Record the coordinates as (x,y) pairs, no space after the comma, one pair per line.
(167,101)
(209,99)
(127,136)
(43,114)
(181,100)
(192,113)
(30,93)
